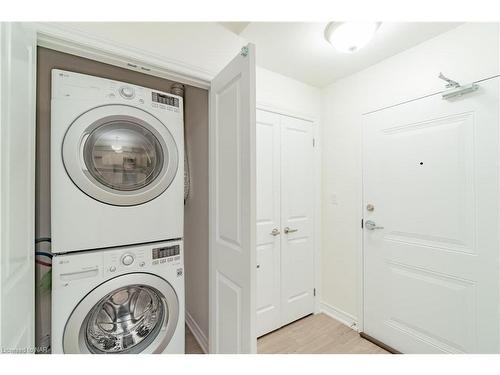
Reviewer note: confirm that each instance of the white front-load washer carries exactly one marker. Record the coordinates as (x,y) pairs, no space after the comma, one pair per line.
(123,300)
(117,172)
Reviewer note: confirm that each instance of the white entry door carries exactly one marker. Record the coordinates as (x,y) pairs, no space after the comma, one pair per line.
(431,227)
(297,209)
(232,207)
(17,187)
(285,198)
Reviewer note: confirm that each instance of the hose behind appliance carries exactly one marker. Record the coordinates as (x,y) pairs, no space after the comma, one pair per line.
(178,89)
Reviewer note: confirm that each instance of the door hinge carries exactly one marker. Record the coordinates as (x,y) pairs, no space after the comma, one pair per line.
(314,292)
(314,142)
(362,223)
(244,51)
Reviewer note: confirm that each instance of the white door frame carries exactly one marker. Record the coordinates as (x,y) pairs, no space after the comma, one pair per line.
(317,192)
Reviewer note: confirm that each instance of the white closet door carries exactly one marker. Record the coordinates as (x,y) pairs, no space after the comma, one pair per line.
(232,207)
(17,186)
(297,202)
(431,238)
(268,222)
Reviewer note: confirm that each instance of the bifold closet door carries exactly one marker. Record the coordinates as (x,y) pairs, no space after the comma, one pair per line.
(285,198)
(232,263)
(297,208)
(268,222)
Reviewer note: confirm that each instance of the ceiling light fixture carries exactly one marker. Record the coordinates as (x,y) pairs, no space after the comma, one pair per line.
(349,37)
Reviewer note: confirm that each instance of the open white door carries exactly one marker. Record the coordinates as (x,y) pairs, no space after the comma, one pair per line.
(232,207)
(17,187)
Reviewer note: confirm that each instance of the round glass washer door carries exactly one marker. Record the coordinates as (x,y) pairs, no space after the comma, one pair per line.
(132,313)
(120,155)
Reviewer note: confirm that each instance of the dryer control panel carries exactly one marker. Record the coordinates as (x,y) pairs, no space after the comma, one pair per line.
(158,97)
(75,86)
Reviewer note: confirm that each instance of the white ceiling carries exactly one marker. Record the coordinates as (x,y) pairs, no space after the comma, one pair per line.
(235,27)
(299,50)
(294,49)
(205,47)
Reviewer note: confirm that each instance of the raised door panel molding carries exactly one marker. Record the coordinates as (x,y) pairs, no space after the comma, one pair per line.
(442,149)
(228,168)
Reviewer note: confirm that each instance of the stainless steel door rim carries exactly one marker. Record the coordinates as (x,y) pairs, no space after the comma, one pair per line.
(75,340)
(154,155)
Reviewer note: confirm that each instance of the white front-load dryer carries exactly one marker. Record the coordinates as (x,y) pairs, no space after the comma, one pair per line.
(125,300)
(117,172)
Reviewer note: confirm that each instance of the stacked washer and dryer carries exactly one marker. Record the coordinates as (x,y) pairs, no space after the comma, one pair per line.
(117,185)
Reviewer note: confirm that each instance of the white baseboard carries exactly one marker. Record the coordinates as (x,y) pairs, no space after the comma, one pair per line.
(340,315)
(197,332)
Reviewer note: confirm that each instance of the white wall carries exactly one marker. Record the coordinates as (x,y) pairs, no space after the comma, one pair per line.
(284,93)
(467,53)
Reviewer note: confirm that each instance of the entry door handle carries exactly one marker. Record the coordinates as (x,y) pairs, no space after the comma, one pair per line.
(288,230)
(371,225)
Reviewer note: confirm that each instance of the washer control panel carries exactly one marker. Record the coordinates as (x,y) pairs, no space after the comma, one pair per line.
(108,263)
(140,259)
(166,254)
(128,259)
(127,92)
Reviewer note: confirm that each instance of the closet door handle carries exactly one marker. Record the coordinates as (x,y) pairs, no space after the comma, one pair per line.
(288,230)
(275,232)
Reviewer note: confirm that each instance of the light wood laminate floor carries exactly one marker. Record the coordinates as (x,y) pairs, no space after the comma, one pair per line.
(314,334)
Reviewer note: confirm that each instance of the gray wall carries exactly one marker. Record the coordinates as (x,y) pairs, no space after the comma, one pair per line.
(196,133)
(196,208)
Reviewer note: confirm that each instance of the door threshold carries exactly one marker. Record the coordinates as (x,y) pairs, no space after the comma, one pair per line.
(379,343)
(283,326)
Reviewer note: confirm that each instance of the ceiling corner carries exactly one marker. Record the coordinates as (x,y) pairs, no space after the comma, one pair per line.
(235,27)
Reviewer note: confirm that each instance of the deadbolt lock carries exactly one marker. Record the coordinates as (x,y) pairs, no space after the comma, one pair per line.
(370,207)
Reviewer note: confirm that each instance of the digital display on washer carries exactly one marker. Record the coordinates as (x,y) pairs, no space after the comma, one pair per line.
(165,252)
(165,99)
